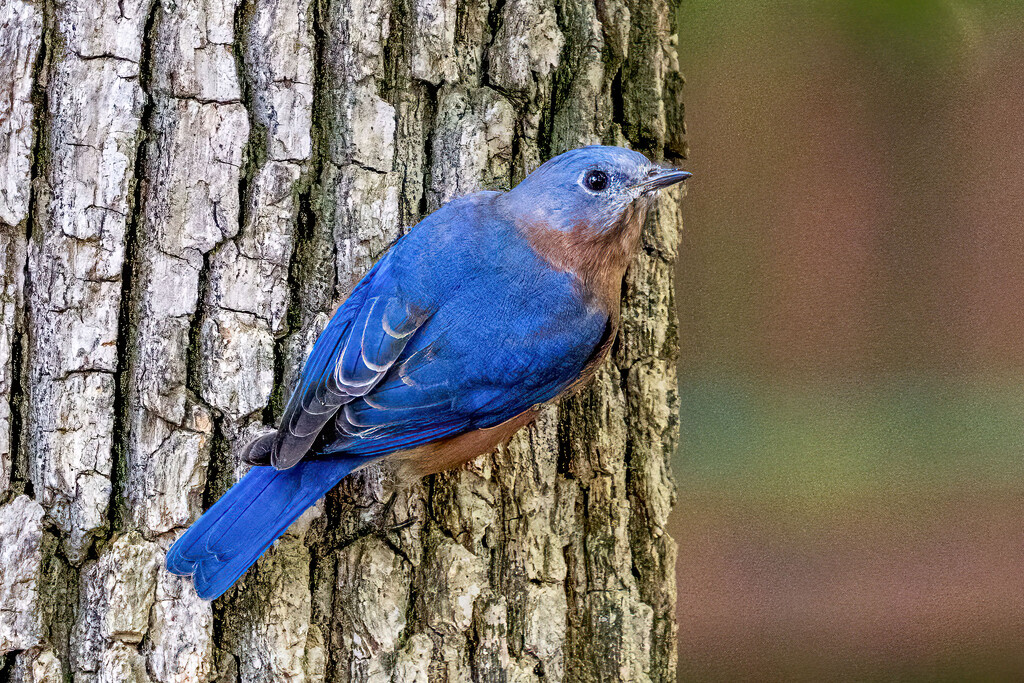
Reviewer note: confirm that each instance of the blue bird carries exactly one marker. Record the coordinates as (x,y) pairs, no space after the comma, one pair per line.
(491,306)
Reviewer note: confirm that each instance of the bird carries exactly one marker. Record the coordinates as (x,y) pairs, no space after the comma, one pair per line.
(490,307)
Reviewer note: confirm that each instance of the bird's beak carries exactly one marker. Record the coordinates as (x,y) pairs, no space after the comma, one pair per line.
(660,178)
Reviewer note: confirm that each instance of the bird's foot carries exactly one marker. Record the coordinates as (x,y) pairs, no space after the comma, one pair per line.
(383,528)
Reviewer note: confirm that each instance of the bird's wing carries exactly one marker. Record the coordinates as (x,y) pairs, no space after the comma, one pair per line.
(431,392)
(402,412)
(357,348)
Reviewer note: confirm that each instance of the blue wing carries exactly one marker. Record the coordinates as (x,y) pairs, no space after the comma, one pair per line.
(362,341)
(465,369)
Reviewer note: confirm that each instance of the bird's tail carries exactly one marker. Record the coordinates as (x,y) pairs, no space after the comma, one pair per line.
(232,534)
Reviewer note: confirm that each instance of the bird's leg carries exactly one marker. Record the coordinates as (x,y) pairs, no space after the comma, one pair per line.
(404,524)
(377,525)
(382,528)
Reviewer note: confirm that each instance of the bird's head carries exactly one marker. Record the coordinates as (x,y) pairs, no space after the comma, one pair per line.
(583,210)
(597,190)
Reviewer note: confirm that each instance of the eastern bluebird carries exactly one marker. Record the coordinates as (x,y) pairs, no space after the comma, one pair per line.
(491,306)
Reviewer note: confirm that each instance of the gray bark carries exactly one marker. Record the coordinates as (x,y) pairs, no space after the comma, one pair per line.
(187,188)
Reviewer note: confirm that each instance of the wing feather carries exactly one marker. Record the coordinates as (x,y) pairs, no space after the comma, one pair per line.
(360,344)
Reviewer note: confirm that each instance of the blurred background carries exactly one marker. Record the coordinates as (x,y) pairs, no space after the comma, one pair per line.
(851,467)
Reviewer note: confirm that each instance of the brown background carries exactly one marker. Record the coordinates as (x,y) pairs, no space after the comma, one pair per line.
(851,286)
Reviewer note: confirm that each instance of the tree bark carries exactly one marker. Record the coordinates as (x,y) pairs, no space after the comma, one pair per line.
(187,189)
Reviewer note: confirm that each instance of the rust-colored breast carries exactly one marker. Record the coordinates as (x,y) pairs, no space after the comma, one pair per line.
(598,258)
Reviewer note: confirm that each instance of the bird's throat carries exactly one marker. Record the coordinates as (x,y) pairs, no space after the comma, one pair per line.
(597,258)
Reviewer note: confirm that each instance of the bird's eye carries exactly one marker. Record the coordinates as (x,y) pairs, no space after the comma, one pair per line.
(596,180)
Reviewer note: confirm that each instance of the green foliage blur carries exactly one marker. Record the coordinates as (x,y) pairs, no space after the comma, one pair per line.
(851,298)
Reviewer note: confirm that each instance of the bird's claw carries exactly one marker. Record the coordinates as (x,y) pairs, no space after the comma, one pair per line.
(383,528)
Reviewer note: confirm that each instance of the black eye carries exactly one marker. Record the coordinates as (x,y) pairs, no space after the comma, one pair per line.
(596,180)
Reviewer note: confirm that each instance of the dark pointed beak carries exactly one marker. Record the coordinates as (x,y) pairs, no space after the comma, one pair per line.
(660,178)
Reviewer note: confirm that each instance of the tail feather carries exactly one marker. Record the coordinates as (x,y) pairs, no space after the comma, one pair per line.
(232,534)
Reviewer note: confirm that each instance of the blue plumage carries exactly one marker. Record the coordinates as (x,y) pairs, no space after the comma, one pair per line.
(232,534)
(490,306)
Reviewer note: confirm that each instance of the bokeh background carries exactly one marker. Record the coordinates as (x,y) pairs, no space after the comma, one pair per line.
(851,468)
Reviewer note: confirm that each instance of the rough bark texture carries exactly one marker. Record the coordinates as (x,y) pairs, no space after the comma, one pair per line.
(186,190)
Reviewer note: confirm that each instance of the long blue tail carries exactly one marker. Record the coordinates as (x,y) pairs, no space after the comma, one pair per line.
(232,534)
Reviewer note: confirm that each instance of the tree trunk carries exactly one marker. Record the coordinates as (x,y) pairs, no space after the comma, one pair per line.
(187,188)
